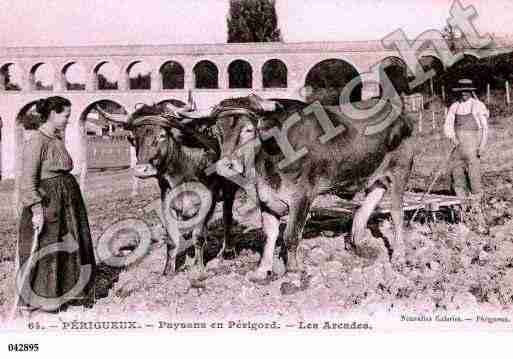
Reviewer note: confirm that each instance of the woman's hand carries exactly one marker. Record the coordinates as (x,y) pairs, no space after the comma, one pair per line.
(37,218)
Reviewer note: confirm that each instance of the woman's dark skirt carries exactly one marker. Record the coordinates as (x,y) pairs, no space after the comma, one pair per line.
(65,219)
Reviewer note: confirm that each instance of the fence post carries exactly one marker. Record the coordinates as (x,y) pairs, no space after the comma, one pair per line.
(443,94)
(508,98)
(432,87)
(488,94)
(433,119)
(420,120)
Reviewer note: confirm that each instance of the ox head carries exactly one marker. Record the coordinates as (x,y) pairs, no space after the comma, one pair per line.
(239,122)
(155,130)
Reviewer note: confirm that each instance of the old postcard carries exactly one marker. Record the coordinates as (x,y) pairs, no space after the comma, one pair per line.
(255,166)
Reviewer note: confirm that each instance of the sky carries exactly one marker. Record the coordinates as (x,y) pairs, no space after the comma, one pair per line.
(127,22)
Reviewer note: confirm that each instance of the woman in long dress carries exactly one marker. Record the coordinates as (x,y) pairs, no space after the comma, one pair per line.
(54,218)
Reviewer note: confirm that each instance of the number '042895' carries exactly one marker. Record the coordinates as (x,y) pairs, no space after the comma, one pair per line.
(23,347)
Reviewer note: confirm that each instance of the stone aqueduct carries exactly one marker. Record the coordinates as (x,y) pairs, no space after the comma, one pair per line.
(297,58)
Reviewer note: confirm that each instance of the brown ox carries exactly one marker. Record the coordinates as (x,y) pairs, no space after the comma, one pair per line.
(175,153)
(354,159)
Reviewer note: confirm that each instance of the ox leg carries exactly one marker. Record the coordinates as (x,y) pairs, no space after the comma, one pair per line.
(398,219)
(271,228)
(399,181)
(362,216)
(171,253)
(294,231)
(293,234)
(228,251)
(171,243)
(199,238)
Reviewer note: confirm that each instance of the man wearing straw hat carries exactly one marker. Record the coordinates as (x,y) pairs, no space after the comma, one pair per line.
(466,125)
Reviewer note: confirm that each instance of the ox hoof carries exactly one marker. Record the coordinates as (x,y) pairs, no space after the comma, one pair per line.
(260,276)
(293,263)
(170,267)
(197,280)
(288,288)
(168,272)
(398,261)
(350,246)
(229,254)
(198,274)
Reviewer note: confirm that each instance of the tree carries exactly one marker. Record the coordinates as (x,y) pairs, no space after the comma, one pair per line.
(450,35)
(253,21)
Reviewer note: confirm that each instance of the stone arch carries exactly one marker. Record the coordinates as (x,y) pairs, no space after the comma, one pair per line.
(397,72)
(42,76)
(240,74)
(25,124)
(75,76)
(103,145)
(206,75)
(139,75)
(107,75)
(10,77)
(107,104)
(327,78)
(27,115)
(274,74)
(173,75)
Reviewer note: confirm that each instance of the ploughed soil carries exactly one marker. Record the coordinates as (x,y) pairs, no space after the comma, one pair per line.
(448,267)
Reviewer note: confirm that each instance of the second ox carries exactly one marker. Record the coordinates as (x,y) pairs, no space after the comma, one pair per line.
(296,160)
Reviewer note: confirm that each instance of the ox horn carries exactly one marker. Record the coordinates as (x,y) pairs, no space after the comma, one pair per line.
(197,114)
(116,118)
(269,105)
(263,105)
(171,108)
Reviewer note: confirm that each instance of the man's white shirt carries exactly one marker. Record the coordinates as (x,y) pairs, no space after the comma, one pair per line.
(472,105)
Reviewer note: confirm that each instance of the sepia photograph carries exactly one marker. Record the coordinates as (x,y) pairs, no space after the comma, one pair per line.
(329,167)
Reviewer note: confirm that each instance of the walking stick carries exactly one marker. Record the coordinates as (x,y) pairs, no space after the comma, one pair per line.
(26,274)
(437,175)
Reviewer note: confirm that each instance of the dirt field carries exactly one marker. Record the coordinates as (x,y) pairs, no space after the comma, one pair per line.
(448,267)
